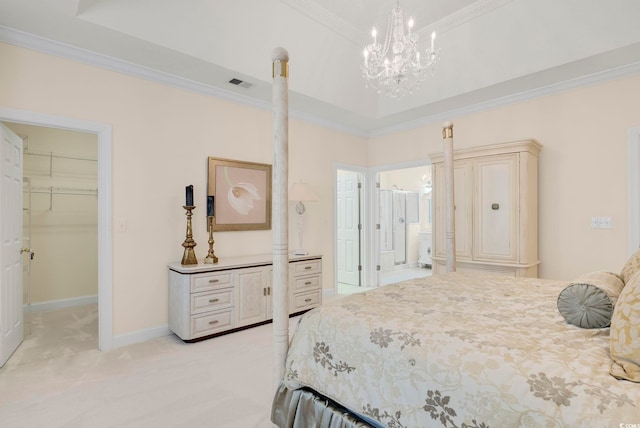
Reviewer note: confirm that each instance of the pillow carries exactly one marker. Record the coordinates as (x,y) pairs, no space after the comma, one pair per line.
(588,302)
(625,333)
(631,266)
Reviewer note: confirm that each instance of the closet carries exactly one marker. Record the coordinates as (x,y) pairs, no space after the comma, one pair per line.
(60,188)
(496,209)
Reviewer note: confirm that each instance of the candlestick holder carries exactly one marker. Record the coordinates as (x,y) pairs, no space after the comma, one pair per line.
(211,256)
(189,256)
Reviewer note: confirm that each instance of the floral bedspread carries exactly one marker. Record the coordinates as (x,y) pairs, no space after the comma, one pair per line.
(461,350)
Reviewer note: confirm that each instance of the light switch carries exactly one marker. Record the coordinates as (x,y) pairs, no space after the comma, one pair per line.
(601,222)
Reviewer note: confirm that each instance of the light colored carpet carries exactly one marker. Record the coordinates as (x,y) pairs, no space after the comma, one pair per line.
(388,277)
(58,378)
(57,334)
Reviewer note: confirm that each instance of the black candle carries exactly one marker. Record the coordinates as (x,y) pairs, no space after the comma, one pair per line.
(189,199)
(210,207)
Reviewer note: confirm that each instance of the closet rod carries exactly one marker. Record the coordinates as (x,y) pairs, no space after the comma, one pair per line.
(62,190)
(58,155)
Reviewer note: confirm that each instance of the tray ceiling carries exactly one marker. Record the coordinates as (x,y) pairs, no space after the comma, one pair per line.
(492,50)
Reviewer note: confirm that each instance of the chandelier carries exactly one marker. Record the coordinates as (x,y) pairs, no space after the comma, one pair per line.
(396,68)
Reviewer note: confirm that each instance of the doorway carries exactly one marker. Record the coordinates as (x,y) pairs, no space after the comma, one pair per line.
(60,229)
(105,261)
(403,216)
(349,230)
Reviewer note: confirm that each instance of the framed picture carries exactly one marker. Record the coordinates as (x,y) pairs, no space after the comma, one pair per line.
(239,195)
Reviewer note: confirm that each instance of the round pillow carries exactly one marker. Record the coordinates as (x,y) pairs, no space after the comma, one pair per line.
(589,301)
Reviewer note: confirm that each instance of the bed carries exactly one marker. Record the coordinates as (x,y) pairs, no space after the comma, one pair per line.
(454,350)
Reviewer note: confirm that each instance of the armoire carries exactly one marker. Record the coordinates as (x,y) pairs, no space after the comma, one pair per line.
(496,209)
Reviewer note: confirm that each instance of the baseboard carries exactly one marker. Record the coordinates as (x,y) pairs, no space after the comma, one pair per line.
(328,293)
(55,305)
(141,336)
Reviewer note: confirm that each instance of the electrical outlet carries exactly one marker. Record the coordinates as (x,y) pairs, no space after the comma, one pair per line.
(121,225)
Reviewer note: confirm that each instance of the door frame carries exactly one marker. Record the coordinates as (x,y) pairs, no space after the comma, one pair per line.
(372,209)
(633,188)
(105,256)
(363,220)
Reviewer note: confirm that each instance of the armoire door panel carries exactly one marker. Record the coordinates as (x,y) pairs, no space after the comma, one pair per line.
(462,173)
(496,208)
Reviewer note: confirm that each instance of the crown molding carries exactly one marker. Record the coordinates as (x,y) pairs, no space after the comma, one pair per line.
(51,47)
(327,19)
(466,14)
(335,23)
(591,79)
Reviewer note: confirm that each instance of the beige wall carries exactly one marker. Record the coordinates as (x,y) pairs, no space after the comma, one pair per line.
(583,166)
(162,137)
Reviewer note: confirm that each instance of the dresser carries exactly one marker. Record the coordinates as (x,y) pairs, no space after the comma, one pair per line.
(208,300)
(496,209)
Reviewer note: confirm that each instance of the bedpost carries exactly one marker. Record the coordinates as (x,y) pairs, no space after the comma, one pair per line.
(449,200)
(280,280)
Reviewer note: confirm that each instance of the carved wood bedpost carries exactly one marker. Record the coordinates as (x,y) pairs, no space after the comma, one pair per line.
(280,280)
(449,200)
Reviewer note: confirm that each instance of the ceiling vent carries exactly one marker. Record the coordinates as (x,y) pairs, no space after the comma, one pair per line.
(240,83)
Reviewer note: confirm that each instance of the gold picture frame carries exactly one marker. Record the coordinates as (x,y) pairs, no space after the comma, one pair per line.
(241,194)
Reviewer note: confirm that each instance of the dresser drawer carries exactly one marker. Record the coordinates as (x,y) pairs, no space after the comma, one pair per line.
(306,267)
(306,300)
(307,283)
(211,300)
(211,281)
(210,323)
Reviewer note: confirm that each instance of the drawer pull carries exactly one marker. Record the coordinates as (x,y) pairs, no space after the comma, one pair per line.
(213,281)
(307,300)
(307,267)
(213,322)
(213,300)
(307,283)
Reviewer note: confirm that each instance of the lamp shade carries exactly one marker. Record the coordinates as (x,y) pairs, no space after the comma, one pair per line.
(302,192)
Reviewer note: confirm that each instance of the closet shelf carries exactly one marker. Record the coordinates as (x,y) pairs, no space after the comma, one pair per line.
(58,155)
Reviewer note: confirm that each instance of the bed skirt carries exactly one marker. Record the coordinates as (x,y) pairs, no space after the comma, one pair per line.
(304,408)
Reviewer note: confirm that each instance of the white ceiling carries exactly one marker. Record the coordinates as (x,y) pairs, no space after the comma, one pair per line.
(492,50)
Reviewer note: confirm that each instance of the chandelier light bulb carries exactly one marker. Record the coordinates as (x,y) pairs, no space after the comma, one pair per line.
(410,23)
(374,33)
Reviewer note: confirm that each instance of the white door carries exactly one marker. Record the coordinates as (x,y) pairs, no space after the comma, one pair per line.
(399,228)
(11,315)
(348,223)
